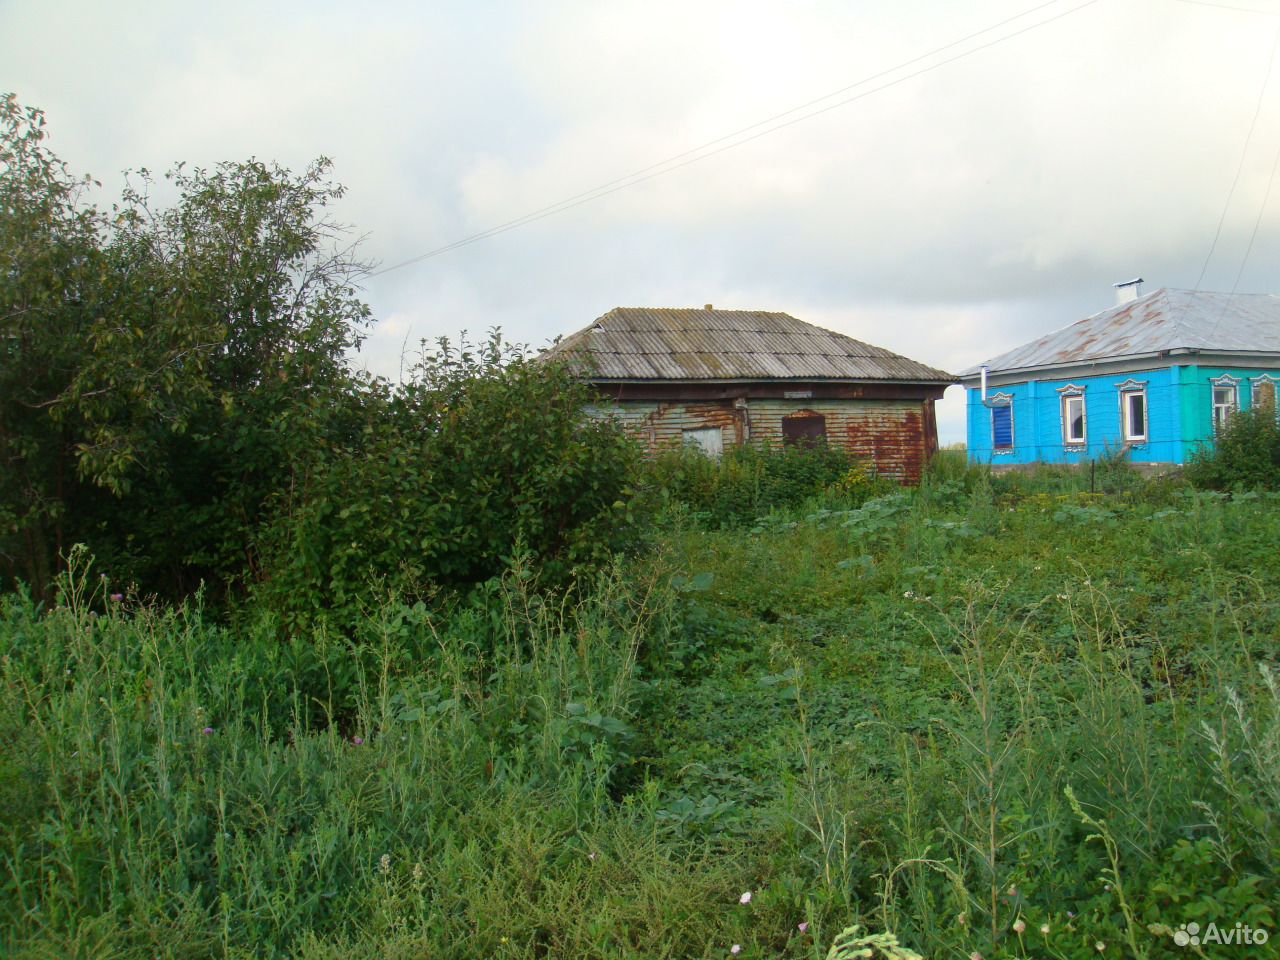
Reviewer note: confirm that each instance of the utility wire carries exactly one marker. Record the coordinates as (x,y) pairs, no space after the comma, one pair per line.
(1244,152)
(704,151)
(1266,196)
(1225,6)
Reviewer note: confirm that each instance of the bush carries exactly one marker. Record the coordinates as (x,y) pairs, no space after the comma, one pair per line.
(483,455)
(1244,455)
(752,480)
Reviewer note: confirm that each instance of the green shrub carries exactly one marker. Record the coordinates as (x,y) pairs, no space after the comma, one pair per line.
(482,455)
(1244,455)
(750,480)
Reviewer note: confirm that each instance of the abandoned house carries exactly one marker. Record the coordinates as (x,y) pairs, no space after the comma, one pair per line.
(719,377)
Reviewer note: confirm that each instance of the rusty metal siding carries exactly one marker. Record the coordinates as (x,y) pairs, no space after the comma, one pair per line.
(893,436)
(660,424)
(890,435)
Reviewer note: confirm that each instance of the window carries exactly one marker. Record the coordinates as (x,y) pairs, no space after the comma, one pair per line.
(1073,420)
(1001,422)
(710,440)
(1264,394)
(1133,411)
(804,429)
(1225,401)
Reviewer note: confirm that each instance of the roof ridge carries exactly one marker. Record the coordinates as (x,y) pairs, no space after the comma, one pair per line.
(670,343)
(1166,319)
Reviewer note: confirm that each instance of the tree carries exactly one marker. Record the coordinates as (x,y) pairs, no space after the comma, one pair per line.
(165,370)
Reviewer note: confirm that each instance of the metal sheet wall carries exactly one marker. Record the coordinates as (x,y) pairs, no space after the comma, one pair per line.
(890,435)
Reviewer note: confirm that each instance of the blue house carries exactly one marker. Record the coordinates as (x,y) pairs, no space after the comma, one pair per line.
(1154,376)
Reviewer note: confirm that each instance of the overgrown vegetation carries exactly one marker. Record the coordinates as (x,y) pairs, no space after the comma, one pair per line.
(469,679)
(175,393)
(962,714)
(749,481)
(1245,455)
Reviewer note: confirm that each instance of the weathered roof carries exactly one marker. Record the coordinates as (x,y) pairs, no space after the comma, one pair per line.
(643,343)
(1166,320)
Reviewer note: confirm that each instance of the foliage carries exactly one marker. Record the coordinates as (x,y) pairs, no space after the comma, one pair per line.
(482,455)
(748,481)
(1245,455)
(854,942)
(886,742)
(176,394)
(167,369)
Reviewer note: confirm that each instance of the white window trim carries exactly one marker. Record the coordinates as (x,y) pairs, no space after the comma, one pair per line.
(1073,391)
(1128,389)
(1226,380)
(1253,389)
(1003,400)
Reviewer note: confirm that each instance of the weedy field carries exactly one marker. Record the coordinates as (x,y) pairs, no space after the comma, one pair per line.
(992,716)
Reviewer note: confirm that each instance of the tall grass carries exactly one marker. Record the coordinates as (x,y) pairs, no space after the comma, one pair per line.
(952,716)
(154,807)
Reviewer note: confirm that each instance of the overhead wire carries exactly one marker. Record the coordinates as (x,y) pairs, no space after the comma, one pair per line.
(704,151)
(1244,152)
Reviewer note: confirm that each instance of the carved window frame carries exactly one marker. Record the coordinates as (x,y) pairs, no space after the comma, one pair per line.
(1128,391)
(1222,411)
(1002,401)
(1069,395)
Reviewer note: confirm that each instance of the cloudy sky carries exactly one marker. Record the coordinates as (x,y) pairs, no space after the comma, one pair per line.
(987,171)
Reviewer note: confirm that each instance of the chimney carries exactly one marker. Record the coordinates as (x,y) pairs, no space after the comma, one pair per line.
(708,306)
(1129,290)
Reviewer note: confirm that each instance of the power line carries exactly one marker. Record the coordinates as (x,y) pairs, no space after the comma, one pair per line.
(1266,197)
(1243,153)
(704,151)
(1226,6)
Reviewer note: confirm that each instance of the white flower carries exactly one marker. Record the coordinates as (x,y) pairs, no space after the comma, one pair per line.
(736,949)
(745,898)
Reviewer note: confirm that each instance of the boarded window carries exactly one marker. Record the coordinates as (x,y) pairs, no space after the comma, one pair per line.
(805,431)
(1002,427)
(710,440)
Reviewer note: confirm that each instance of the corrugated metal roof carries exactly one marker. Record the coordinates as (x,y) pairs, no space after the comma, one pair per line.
(1165,320)
(642,343)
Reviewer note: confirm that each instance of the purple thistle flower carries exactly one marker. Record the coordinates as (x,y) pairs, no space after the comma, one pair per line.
(803,926)
(117,597)
(358,741)
(207,730)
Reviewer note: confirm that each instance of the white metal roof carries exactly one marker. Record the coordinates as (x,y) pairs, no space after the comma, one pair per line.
(1166,320)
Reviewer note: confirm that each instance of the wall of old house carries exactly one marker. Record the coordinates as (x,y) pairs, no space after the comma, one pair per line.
(896,437)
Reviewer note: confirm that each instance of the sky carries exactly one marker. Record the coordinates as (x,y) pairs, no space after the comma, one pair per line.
(988,171)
